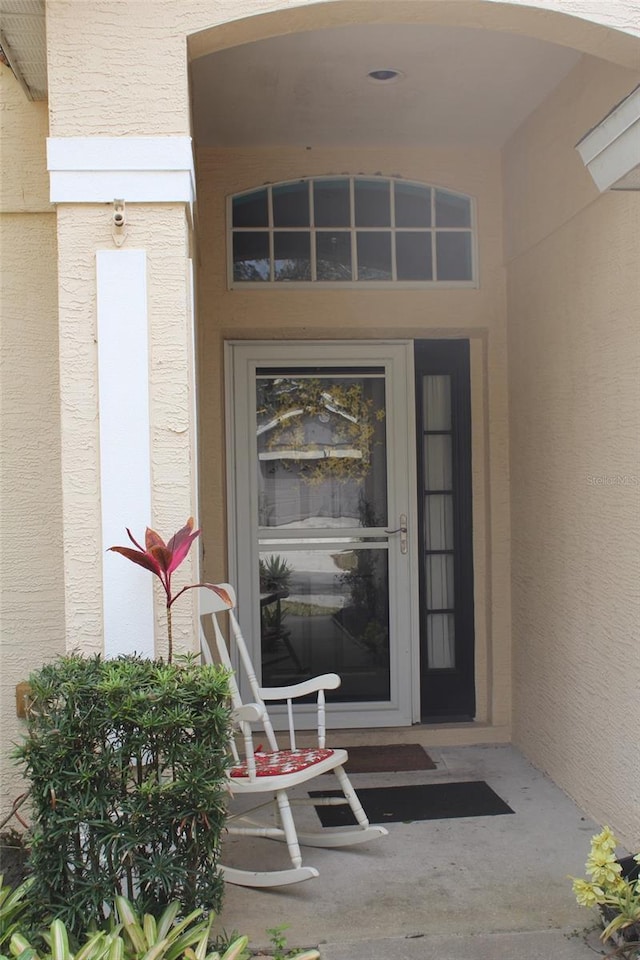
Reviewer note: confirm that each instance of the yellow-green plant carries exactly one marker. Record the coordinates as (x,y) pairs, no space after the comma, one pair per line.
(13,904)
(133,938)
(280,949)
(617,896)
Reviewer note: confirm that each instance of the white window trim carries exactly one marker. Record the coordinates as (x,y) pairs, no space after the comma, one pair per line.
(393,284)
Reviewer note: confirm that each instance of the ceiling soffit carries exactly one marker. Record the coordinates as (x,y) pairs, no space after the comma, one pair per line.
(24,43)
(459,86)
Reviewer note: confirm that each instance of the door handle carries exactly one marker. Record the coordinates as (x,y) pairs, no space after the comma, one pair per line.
(402,530)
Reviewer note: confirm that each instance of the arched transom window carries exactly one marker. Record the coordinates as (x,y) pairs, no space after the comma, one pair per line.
(352,230)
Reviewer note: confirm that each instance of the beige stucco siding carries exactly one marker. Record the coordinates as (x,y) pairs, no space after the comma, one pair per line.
(24,184)
(134,55)
(31,574)
(546,183)
(32,598)
(574,369)
(314,313)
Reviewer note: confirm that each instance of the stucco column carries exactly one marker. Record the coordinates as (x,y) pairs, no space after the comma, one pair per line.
(127,384)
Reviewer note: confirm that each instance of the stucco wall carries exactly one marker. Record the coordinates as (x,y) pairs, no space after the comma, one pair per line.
(574,368)
(31,577)
(384,314)
(132,57)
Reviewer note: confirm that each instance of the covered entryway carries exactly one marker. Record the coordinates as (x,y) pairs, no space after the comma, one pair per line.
(492,113)
(350,195)
(288,111)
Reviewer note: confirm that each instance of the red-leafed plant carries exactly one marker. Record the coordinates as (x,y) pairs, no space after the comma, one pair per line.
(162,559)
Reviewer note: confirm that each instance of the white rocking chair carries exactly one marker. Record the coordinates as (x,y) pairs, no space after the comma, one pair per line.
(275,771)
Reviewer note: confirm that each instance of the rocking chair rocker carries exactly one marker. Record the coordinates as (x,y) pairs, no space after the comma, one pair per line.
(276,771)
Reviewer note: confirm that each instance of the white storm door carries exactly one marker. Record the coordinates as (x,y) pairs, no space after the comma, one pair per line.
(321,476)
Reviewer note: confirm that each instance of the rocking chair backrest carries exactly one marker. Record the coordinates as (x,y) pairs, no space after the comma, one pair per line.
(213,604)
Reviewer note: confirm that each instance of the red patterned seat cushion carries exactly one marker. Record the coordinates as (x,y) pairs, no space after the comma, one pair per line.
(282,761)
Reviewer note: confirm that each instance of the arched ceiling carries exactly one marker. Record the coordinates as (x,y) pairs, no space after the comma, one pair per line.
(459,86)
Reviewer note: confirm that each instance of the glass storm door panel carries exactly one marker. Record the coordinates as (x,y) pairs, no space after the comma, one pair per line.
(322,469)
(322,552)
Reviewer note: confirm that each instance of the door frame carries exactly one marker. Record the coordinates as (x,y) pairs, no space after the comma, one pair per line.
(242,359)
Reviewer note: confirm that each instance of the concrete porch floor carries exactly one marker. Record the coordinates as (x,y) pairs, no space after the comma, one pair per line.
(485,888)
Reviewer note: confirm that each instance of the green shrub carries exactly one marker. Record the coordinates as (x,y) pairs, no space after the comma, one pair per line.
(127,761)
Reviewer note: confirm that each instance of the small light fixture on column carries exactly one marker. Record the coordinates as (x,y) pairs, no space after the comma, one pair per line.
(118,232)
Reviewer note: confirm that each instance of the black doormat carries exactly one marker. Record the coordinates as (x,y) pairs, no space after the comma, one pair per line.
(388,758)
(433,801)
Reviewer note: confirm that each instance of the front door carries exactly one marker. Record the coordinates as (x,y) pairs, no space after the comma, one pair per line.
(351,528)
(323,520)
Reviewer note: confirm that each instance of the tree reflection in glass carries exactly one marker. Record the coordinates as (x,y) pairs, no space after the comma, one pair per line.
(322,476)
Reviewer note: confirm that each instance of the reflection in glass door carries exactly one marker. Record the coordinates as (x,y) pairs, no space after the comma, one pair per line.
(321,442)
(322,506)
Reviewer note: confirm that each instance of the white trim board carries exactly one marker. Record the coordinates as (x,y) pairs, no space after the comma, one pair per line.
(611,151)
(125,446)
(136,169)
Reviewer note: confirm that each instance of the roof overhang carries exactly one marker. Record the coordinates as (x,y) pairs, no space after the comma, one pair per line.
(24,44)
(611,150)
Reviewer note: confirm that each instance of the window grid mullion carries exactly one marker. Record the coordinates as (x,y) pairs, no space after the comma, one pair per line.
(434,272)
(361,229)
(312,233)
(272,257)
(352,220)
(392,211)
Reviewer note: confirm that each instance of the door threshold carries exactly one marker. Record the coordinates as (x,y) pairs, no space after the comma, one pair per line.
(462,718)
